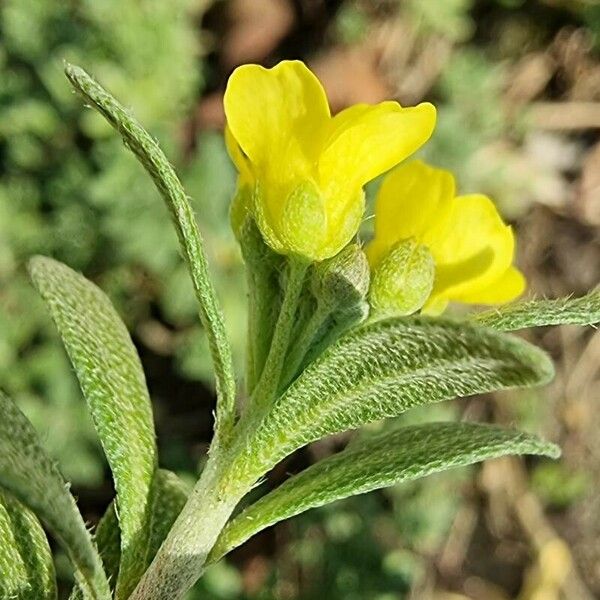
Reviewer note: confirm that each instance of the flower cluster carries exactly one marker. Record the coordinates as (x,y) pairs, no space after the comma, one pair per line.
(301,177)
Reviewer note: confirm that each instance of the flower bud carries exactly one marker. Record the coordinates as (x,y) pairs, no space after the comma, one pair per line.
(402,281)
(342,282)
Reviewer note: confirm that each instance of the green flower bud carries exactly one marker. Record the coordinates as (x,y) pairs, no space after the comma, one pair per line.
(342,282)
(402,281)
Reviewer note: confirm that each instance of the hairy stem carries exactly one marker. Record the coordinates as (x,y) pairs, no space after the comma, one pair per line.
(269,380)
(181,558)
(262,271)
(300,347)
(339,325)
(262,313)
(141,143)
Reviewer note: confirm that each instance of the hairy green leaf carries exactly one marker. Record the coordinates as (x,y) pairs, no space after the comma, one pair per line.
(169,493)
(108,540)
(113,384)
(376,462)
(26,567)
(382,369)
(560,311)
(145,148)
(29,474)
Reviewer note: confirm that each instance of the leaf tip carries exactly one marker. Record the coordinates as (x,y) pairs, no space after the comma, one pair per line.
(539,362)
(35,264)
(552,451)
(546,368)
(38,266)
(74,73)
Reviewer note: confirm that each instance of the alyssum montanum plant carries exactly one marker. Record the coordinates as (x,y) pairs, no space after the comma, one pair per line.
(338,336)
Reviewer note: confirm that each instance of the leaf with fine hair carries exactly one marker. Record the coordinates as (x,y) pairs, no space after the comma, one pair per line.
(147,151)
(29,474)
(113,384)
(382,369)
(108,541)
(584,310)
(169,493)
(25,557)
(379,461)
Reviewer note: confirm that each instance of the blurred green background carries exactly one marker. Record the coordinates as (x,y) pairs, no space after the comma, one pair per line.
(517,85)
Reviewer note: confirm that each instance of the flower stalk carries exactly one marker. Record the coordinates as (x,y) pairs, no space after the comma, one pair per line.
(268,383)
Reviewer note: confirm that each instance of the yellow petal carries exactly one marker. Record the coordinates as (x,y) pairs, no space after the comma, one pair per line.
(278,116)
(343,222)
(340,122)
(474,251)
(412,201)
(435,306)
(239,159)
(509,286)
(376,250)
(366,141)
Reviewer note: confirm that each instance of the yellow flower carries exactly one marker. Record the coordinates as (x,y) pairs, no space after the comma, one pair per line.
(305,168)
(472,248)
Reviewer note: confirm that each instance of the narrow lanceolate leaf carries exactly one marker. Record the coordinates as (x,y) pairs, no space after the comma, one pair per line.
(560,311)
(26,567)
(29,474)
(381,370)
(113,384)
(108,541)
(141,143)
(380,461)
(168,495)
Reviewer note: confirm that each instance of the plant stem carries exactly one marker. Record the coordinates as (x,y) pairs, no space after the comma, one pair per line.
(269,380)
(181,558)
(301,346)
(253,331)
(340,325)
(263,306)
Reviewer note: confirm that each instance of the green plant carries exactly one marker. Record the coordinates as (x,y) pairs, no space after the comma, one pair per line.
(62,178)
(156,539)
